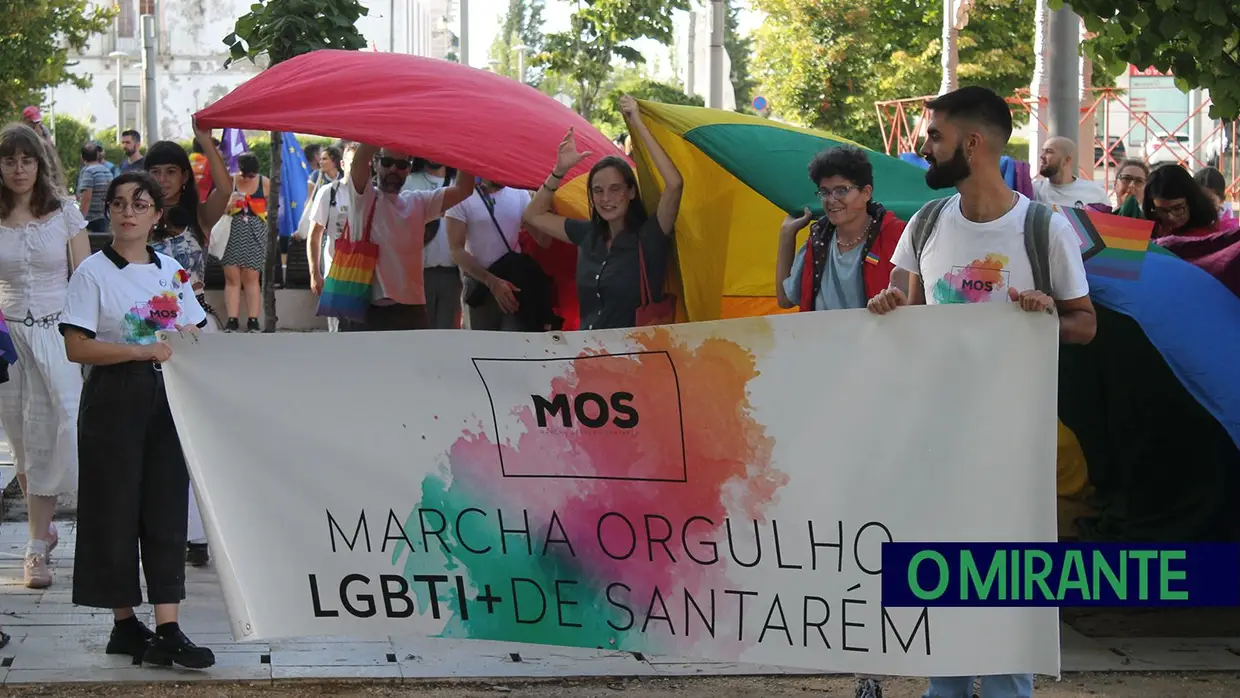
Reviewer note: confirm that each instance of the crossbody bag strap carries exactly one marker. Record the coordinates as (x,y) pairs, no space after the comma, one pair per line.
(490,205)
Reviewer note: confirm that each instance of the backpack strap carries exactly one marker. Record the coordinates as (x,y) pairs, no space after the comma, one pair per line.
(1037,244)
(927,218)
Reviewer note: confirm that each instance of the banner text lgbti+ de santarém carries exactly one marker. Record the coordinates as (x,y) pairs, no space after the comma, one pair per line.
(716,490)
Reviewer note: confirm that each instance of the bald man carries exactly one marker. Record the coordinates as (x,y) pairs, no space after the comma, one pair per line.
(397,219)
(1059,184)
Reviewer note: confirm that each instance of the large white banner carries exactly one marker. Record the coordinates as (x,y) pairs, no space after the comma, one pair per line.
(717,490)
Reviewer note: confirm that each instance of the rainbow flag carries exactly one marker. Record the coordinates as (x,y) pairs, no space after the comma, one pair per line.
(1112,246)
(7,351)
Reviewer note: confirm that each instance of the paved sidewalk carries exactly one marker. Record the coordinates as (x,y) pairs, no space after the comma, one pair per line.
(55,641)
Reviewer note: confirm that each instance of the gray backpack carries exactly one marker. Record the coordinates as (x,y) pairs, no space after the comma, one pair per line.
(1037,238)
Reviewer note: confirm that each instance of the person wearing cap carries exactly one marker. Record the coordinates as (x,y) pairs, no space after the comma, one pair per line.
(34,119)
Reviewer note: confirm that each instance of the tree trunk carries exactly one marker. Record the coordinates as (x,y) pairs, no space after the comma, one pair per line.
(273,233)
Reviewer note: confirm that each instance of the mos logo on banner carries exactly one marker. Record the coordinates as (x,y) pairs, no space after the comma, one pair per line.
(603,417)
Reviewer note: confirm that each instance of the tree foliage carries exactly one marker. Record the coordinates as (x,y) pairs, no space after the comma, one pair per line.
(280,30)
(1198,41)
(636,82)
(523,25)
(598,37)
(825,64)
(37,40)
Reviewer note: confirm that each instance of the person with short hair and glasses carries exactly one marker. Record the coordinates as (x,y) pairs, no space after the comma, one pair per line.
(396,218)
(847,258)
(133,509)
(1130,179)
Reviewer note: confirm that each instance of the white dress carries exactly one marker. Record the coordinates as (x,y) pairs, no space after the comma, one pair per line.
(39,403)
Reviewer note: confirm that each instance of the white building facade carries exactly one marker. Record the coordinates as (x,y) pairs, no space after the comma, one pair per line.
(190,56)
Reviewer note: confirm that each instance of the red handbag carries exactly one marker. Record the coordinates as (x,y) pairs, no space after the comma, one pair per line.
(650,313)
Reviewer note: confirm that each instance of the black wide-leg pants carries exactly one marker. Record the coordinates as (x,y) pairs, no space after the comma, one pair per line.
(132,491)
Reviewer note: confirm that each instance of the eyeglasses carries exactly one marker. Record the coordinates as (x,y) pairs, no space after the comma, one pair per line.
(837,193)
(139,207)
(395,163)
(1131,179)
(1171,211)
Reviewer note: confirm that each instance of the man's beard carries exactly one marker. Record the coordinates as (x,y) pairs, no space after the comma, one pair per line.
(130,151)
(1049,171)
(948,174)
(391,183)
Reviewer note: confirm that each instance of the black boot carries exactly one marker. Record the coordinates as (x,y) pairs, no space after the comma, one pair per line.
(130,637)
(197,555)
(170,646)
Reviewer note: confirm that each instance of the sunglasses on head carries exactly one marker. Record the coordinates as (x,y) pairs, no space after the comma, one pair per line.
(396,163)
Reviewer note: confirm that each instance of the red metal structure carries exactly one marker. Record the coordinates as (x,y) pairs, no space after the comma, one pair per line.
(901,121)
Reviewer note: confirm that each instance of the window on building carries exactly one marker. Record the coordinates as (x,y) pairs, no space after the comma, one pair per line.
(126,20)
(146,7)
(132,107)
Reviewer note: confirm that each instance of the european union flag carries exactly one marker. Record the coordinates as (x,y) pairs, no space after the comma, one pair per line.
(294,185)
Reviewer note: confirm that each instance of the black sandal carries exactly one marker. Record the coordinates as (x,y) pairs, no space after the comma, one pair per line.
(4,639)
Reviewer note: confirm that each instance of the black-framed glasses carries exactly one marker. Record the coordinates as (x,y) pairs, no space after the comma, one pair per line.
(1173,211)
(1131,179)
(395,163)
(837,193)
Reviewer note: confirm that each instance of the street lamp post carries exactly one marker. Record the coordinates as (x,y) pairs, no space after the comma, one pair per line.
(119,57)
(521,49)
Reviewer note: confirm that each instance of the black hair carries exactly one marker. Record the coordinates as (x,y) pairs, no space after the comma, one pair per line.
(132,134)
(847,161)
(1170,182)
(976,103)
(91,152)
(311,151)
(183,213)
(196,147)
(144,180)
(247,163)
(335,154)
(636,215)
(1212,179)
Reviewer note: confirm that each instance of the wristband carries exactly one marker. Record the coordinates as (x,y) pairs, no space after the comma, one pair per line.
(557,176)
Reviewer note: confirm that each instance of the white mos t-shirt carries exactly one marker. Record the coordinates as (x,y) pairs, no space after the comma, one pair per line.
(967,262)
(114,300)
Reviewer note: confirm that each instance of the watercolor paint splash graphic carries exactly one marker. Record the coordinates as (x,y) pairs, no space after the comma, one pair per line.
(979,282)
(729,472)
(145,320)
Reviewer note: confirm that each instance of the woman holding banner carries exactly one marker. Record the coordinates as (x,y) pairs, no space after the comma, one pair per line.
(133,476)
(623,253)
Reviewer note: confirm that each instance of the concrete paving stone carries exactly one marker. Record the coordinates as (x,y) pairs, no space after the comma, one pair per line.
(1182,654)
(694,668)
(340,656)
(383,647)
(58,619)
(388,672)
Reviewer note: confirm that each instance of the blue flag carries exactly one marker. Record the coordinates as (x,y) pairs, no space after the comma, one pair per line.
(294,185)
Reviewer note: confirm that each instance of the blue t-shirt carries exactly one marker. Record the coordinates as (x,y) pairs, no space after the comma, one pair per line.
(843,284)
